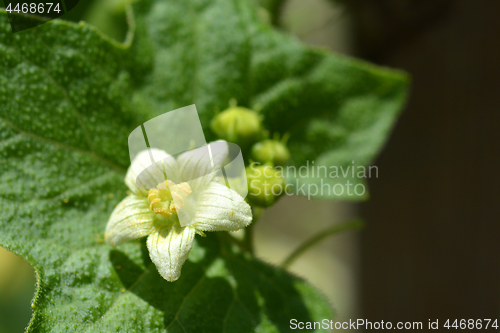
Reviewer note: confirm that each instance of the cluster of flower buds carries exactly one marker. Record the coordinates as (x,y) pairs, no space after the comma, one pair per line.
(244,127)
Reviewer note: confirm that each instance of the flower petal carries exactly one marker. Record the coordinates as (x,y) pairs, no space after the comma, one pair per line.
(203,162)
(131,219)
(221,209)
(169,248)
(153,172)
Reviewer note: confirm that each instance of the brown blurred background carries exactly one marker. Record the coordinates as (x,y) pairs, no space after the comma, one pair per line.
(431,246)
(430,249)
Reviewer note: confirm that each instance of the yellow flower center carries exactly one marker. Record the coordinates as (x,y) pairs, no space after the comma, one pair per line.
(168,198)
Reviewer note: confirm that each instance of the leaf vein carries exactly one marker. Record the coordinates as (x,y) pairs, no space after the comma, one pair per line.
(202,278)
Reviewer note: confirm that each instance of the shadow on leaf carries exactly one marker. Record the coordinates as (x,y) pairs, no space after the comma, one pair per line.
(267,293)
(216,294)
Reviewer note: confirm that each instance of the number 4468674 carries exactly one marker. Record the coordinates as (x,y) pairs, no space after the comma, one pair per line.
(34,8)
(472,324)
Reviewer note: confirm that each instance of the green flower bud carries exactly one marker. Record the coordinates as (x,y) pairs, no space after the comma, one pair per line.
(266,185)
(270,151)
(239,125)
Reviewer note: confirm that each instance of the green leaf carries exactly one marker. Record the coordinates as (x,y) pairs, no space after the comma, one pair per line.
(337,109)
(64,120)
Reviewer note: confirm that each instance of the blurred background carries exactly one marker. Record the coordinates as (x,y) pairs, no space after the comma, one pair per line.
(430,248)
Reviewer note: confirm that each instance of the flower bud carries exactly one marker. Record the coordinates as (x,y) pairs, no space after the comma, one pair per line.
(239,125)
(266,184)
(270,151)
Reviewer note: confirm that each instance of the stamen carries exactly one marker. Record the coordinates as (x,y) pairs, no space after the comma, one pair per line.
(162,211)
(173,208)
(178,197)
(161,199)
(153,202)
(151,195)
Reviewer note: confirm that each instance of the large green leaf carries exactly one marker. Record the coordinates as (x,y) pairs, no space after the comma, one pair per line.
(339,111)
(64,119)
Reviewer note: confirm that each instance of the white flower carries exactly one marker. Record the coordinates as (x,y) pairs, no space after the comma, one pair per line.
(192,200)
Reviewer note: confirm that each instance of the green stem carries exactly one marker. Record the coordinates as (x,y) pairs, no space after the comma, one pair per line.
(352,225)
